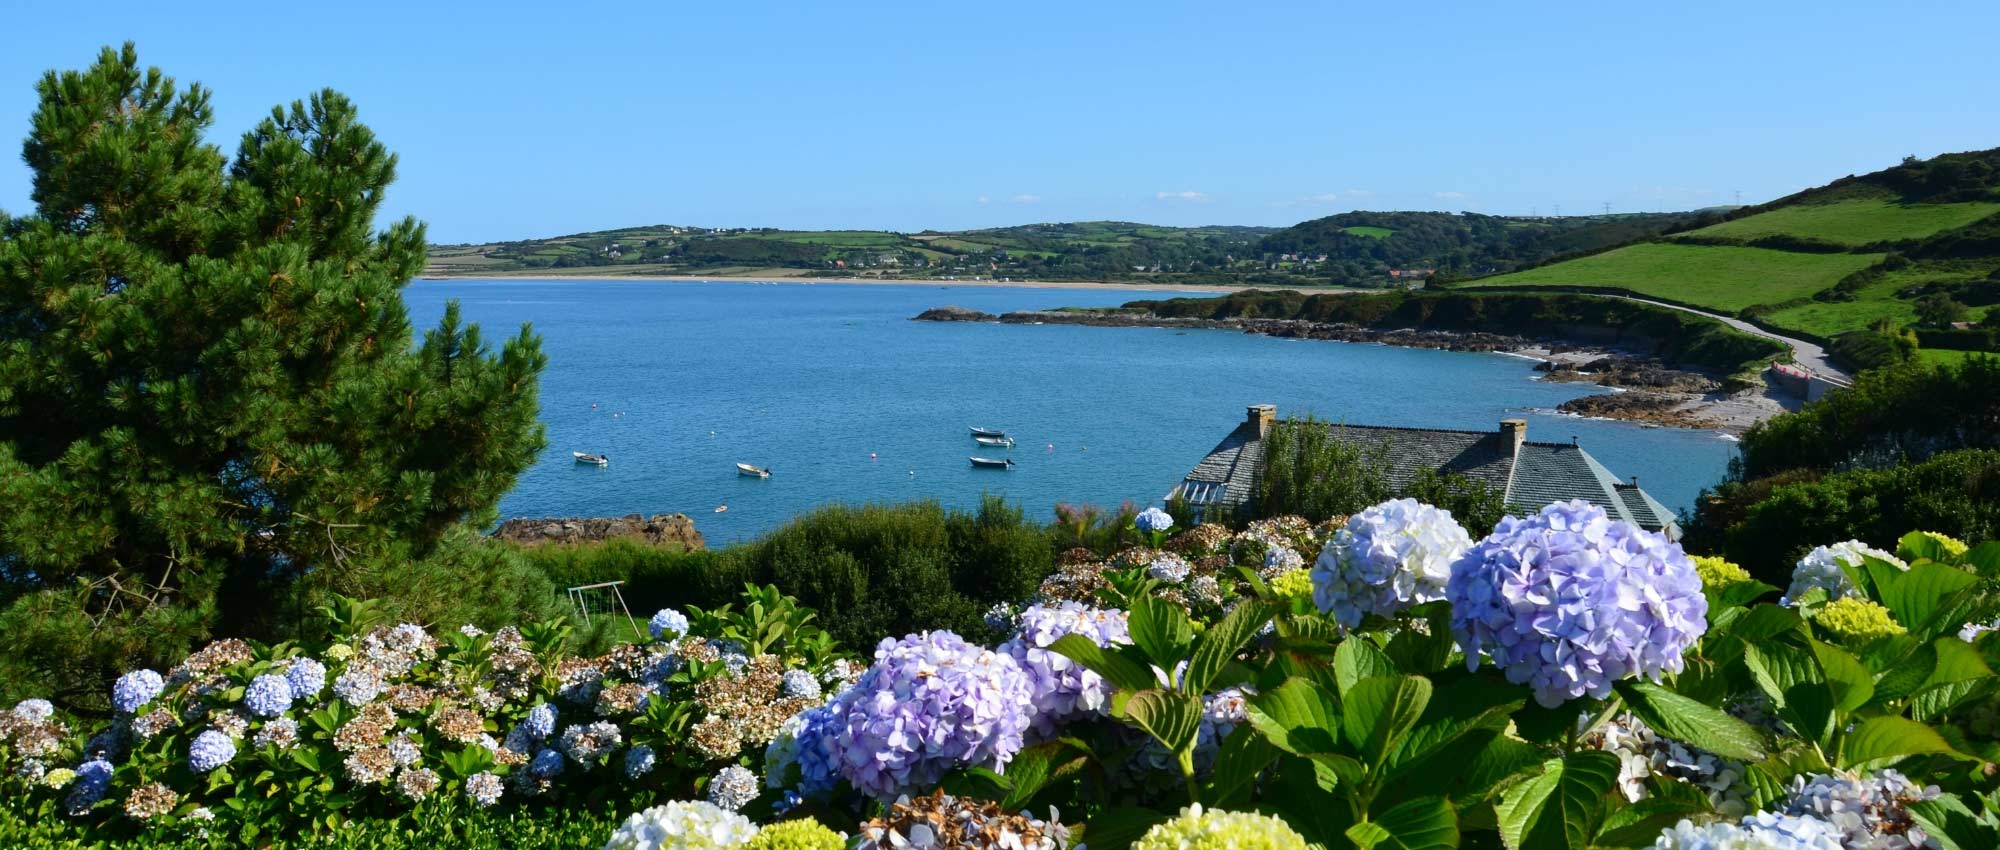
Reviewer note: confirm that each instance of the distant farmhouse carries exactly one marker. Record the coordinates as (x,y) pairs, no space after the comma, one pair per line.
(1529,475)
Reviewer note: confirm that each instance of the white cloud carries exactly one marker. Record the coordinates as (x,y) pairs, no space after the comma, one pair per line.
(1189,195)
(985,200)
(1026,199)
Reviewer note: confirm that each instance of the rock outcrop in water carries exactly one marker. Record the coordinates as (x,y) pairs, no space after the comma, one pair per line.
(675,530)
(954,314)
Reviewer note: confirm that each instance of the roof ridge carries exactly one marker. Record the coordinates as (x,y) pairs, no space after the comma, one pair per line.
(1492,433)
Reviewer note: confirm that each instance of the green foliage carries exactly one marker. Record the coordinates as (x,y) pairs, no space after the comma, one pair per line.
(1457,244)
(209,408)
(1314,470)
(1909,412)
(448,823)
(873,571)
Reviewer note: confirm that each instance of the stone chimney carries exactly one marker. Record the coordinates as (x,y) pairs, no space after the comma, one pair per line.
(1262,417)
(1514,432)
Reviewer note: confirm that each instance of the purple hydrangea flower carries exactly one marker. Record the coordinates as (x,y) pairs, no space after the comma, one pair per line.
(1569,601)
(133,690)
(541,721)
(1153,521)
(668,624)
(268,696)
(929,704)
(210,750)
(1387,558)
(306,676)
(1063,689)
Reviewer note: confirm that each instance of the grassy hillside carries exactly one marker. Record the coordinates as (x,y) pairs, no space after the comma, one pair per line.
(1362,247)
(1895,256)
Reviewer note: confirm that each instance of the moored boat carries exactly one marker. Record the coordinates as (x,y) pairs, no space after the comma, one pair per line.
(586,457)
(987,432)
(991,463)
(752,471)
(995,441)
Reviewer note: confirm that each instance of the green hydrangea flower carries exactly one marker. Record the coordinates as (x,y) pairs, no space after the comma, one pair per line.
(1293,584)
(1855,620)
(1199,829)
(59,778)
(1953,546)
(1717,572)
(802,834)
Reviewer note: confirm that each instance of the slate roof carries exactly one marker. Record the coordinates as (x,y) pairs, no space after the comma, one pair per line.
(1533,476)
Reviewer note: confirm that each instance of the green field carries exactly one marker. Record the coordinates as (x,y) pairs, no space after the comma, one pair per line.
(1723,278)
(1854,222)
(1370,232)
(1877,300)
(836,238)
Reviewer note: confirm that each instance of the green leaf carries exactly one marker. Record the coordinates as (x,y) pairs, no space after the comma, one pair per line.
(1558,809)
(1916,596)
(1461,708)
(1358,659)
(1737,594)
(1984,559)
(1242,756)
(1423,823)
(1160,629)
(1792,678)
(1030,771)
(1850,683)
(1171,717)
(1956,827)
(1116,668)
(1638,824)
(1882,741)
(1378,711)
(1299,717)
(1222,641)
(1764,622)
(1916,546)
(1120,827)
(1692,722)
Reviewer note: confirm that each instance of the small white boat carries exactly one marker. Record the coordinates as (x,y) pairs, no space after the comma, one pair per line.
(987,432)
(595,460)
(995,441)
(992,463)
(752,471)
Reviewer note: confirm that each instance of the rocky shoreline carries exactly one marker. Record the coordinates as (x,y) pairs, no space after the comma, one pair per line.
(1651,391)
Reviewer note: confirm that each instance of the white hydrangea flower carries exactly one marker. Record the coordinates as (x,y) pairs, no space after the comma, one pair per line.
(1824,568)
(1387,558)
(1762,831)
(683,825)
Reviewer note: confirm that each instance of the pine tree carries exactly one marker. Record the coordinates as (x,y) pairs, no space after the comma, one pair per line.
(209,393)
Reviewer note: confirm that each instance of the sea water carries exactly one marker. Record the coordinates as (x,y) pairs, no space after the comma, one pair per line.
(844,399)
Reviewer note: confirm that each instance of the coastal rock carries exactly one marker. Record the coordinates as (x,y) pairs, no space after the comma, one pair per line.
(675,530)
(1670,409)
(954,314)
(1630,372)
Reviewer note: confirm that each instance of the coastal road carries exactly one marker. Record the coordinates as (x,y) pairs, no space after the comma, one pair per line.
(1809,355)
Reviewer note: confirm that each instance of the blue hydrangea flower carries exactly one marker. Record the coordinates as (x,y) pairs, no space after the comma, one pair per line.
(931,703)
(1170,568)
(93,778)
(34,710)
(1825,567)
(800,684)
(1387,558)
(1761,831)
(541,721)
(668,624)
(358,686)
(1569,601)
(733,787)
(806,740)
(307,678)
(1153,521)
(211,749)
(133,690)
(547,763)
(268,696)
(639,761)
(1063,690)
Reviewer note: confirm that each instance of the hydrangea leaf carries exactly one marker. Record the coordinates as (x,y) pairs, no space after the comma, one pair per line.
(1636,824)
(1850,683)
(1791,676)
(1916,597)
(1171,717)
(1423,823)
(1883,741)
(1242,758)
(1222,641)
(1558,809)
(1114,666)
(1377,712)
(1299,717)
(1119,827)
(1160,629)
(1357,659)
(1954,825)
(1692,722)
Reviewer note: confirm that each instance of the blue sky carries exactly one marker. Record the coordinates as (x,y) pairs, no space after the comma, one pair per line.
(534,119)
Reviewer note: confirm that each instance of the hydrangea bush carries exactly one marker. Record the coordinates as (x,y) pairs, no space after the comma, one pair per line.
(1567,681)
